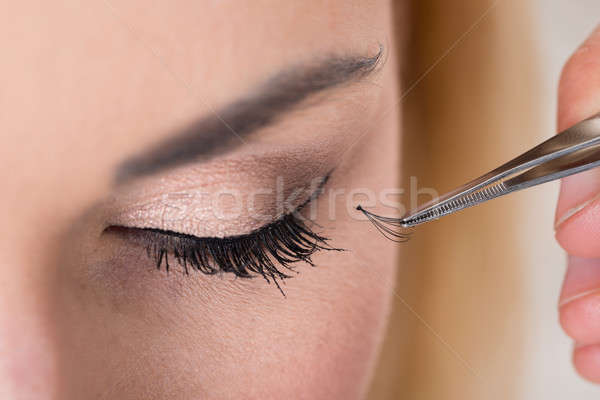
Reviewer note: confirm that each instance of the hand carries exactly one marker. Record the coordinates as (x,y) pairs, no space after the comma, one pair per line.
(578,215)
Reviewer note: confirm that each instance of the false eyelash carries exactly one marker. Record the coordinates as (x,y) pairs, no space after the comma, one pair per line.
(269,251)
(391,228)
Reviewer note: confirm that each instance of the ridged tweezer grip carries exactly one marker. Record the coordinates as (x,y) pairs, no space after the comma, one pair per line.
(486,193)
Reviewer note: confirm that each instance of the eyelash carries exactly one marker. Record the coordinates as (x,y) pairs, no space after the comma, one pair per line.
(269,251)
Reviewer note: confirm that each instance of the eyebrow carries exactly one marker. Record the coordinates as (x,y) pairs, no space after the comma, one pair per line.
(227,128)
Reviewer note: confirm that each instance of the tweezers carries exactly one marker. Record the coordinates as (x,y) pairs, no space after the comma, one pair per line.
(574,150)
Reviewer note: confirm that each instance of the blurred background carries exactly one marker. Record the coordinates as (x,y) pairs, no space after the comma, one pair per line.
(475,315)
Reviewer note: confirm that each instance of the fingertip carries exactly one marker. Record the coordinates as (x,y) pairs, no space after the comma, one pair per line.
(579,81)
(587,362)
(580,317)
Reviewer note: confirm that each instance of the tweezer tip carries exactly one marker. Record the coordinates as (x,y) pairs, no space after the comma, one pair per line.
(410,221)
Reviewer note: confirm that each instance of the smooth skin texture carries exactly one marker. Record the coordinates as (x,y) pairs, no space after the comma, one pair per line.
(84,314)
(578,215)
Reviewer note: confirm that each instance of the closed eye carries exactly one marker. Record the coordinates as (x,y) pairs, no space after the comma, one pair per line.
(270,251)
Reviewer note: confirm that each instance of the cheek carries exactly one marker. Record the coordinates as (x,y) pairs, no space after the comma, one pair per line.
(131,331)
(321,342)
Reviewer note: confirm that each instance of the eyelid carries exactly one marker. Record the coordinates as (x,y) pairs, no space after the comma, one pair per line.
(237,211)
(314,194)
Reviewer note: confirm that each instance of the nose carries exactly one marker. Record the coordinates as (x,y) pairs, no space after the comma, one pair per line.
(27,353)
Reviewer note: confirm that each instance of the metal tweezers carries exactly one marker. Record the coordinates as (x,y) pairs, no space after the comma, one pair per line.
(574,150)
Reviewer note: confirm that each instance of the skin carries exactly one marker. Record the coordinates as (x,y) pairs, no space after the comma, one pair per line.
(578,216)
(85,314)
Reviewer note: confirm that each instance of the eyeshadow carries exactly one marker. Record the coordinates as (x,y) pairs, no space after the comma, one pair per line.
(232,197)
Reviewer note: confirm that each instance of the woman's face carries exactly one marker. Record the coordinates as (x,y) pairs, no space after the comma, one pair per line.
(134,131)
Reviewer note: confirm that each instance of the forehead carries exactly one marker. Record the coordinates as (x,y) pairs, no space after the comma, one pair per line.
(154,55)
(86,83)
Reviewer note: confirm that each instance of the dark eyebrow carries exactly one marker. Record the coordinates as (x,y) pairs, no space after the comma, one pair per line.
(227,128)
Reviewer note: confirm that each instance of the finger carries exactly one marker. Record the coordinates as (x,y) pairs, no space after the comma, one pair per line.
(580,300)
(578,209)
(578,214)
(587,362)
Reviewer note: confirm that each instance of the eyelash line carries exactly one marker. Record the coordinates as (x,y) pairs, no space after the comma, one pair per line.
(269,251)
